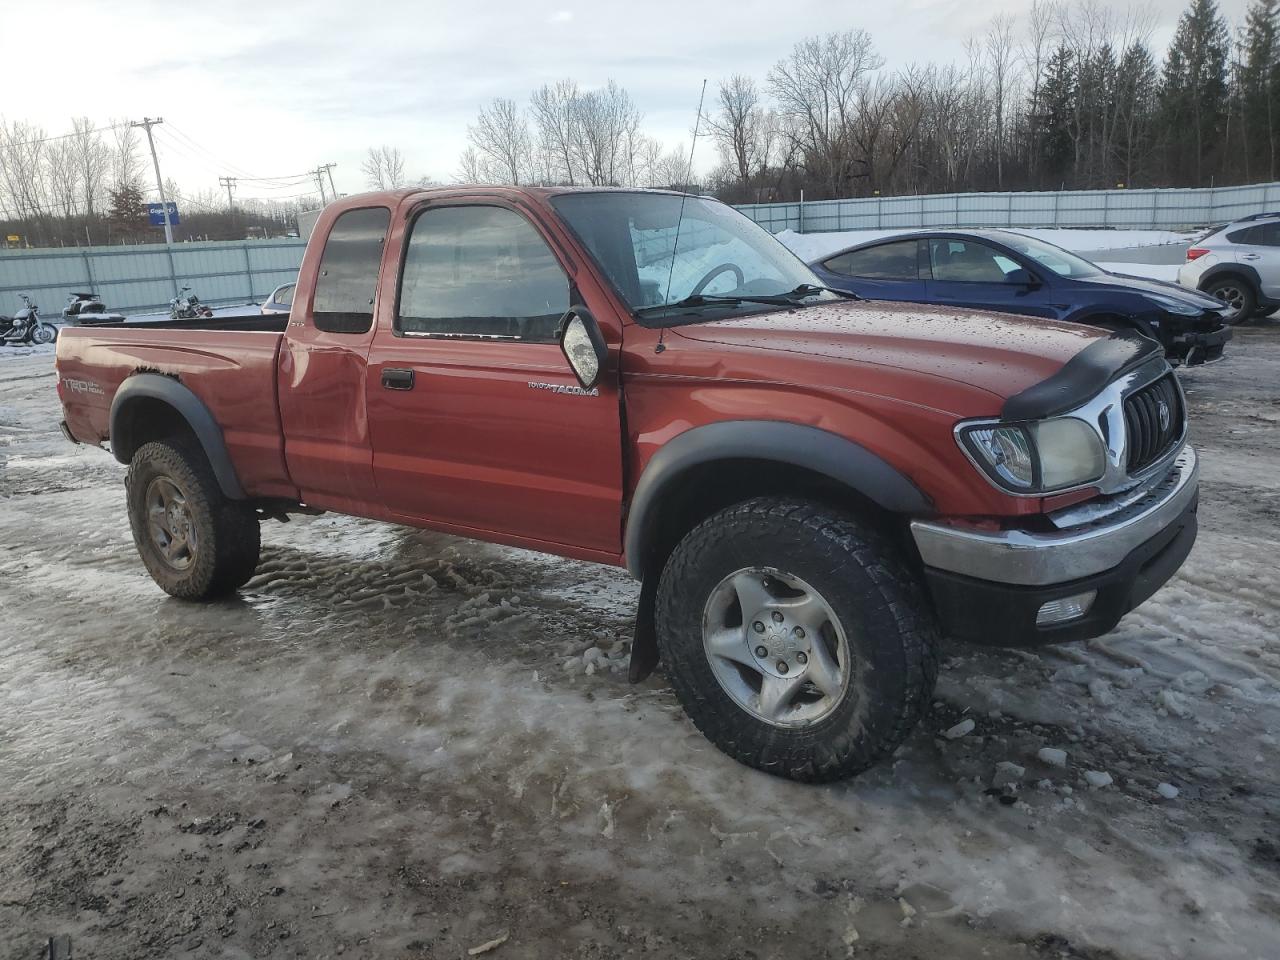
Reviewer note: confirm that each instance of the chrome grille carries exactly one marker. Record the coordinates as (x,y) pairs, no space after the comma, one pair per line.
(1153,419)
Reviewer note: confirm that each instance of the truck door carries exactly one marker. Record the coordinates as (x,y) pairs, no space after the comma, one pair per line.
(478,423)
(322,366)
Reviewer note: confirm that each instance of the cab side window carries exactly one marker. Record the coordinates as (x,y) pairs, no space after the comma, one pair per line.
(349,269)
(888,261)
(480,271)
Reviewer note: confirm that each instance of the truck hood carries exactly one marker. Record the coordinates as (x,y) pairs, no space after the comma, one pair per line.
(998,355)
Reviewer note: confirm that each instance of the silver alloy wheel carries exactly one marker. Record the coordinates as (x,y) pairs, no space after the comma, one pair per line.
(169,523)
(43,333)
(1232,296)
(776,647)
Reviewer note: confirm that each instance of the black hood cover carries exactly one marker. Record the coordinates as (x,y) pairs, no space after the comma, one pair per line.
(1082,377)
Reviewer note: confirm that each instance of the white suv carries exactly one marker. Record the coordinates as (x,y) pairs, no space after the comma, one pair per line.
(1239,264)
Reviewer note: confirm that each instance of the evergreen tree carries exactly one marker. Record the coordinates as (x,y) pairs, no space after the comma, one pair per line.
(1260,89)
(1136,82)
(1193,96)
(127,214)
(1053,117)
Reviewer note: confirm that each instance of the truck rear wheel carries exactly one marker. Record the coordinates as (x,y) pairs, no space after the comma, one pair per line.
(195,543)
(796,639)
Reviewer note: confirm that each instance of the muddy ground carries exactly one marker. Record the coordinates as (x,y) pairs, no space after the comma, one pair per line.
(399,745)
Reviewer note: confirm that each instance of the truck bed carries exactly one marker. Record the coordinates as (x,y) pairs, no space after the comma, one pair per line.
(229,363)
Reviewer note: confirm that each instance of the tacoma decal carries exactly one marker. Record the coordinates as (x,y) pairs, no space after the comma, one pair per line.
(563,388)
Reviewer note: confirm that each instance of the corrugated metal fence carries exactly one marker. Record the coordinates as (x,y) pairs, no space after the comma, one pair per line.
(1117,209)
(146,276)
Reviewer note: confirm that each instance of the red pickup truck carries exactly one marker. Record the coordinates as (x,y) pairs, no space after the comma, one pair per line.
(811,490)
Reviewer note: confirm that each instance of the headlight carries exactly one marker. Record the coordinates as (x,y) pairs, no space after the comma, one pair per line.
(1173,305)
(1036,457)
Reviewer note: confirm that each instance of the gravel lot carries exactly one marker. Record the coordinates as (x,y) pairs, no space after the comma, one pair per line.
(396,744)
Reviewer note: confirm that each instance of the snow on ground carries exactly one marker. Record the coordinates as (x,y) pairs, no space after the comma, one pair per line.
(399,744)
(1152,271)
(812,246)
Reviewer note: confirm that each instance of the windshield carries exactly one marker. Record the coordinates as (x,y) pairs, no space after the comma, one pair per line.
(1061,262)
(720,253)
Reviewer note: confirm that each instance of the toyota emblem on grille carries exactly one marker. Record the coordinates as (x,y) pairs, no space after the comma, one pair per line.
(1163,409)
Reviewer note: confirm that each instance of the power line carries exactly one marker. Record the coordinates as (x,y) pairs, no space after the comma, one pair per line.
(286,182)
(239,171)
(67,136)
(283,180)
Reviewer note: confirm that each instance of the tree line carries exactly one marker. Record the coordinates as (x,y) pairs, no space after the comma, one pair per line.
(1068,95)
(89,187)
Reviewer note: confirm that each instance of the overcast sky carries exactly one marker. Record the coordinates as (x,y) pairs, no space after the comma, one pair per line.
(273,87)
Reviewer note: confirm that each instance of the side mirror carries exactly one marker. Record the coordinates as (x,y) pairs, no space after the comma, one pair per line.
(583,345)
(1022,278)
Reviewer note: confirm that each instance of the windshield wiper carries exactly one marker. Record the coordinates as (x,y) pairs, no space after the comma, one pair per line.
(806,290)
(715,300)
(788,299)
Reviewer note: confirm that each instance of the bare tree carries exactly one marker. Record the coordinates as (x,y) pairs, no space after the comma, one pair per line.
(383,168)
(603,120)
(126,163)
(553,107)
(63,177)
(999,48)
(501,135)
(23,169)
(92,160)
(742,129)
(817,88)
(471,166)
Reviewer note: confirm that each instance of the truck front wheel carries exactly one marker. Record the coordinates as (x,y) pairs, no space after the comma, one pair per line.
(796,639)
(195,543)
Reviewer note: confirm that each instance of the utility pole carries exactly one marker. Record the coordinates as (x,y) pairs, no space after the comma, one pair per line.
(146,124)
(328,169)
(318,173)
(230,184)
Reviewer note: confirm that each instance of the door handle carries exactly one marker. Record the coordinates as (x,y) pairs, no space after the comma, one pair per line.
(1250,256)
(397,378)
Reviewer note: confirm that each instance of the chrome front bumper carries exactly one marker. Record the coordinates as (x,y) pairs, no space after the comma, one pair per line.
(1090,547)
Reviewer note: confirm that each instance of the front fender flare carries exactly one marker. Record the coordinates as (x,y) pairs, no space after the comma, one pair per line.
(800,445)
(167,390)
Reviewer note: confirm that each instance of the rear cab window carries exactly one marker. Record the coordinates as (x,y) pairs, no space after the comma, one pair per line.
(348,275)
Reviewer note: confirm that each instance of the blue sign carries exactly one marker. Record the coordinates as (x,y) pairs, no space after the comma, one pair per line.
(156,214)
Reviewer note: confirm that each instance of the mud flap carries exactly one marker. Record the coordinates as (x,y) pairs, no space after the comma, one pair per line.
(644,643)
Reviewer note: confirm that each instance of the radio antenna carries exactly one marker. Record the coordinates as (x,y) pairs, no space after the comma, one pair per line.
(684,194)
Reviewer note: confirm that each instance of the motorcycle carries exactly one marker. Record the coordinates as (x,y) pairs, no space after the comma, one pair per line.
(26,327)
(187,307)
(88,308)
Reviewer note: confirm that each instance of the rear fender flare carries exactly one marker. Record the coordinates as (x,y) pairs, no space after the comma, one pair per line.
(167,390)
(800,445)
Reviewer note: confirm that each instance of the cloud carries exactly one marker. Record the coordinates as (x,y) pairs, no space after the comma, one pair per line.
(561,16)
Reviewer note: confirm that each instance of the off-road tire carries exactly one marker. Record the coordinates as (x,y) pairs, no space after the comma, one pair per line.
(228,533)
(890,629)
(1248,296)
